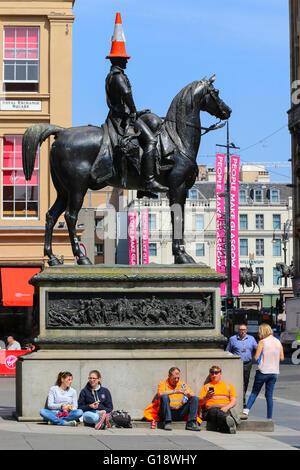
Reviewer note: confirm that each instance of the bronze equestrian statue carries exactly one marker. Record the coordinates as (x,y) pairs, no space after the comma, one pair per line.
(249,278)
(130,150)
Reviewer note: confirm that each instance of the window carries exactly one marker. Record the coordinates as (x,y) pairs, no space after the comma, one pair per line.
(99,249)
(21,59)
(243,221)
(276,221)
(199,221)
(152,221)
(277,247)
(193,194)
(99,223)
(200,250)
(242,196)
(261,278)
(259,221)
(243,247)
(274,196)
(258,195)
(152,249)
(20,198)
(260,247)
(276,277)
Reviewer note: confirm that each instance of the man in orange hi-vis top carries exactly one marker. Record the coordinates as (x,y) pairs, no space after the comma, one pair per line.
(217,399)
(174,401)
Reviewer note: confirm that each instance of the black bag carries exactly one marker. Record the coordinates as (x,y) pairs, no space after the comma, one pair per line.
(120,419)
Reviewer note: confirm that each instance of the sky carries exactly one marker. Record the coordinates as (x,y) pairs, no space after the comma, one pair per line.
(173,43)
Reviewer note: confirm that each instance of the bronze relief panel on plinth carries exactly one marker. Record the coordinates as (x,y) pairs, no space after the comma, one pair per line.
(92,310)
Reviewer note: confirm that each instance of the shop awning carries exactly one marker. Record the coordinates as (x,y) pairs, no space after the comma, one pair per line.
(16,292)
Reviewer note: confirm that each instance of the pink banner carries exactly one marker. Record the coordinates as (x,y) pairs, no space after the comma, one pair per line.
(234,221)
(220,221)
(145,236)
(132,237)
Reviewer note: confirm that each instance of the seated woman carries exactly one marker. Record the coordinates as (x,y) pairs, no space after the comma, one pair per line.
(95,401)
(62,402)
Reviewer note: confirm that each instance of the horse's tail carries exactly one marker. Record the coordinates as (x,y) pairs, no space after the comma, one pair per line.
(32,138)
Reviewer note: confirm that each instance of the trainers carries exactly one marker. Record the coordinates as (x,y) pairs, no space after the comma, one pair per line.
(70,423)
(192,426)
(101,423)
(245,413)
(231,424)
(168,426)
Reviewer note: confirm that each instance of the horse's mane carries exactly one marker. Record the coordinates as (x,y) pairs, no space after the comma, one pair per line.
(175,122)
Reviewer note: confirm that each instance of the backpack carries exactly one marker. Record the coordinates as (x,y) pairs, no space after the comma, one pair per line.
(119,419)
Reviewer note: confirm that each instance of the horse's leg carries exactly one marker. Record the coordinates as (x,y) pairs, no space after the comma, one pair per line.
(177,204)
(71,216)
(51,218)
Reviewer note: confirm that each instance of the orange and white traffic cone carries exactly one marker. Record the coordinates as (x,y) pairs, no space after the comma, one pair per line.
(118,40)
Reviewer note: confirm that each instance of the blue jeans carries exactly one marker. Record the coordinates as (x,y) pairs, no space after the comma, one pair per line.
(91,417)
(190,409)
(50,415)
(259,381)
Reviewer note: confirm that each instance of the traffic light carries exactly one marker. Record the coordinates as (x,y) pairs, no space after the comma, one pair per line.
(223,307)
(229,303)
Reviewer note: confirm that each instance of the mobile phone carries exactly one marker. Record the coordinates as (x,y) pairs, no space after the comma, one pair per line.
(211,389)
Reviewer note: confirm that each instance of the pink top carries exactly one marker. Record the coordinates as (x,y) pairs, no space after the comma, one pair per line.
(269,363)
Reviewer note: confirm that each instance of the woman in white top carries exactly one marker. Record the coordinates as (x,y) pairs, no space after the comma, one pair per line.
(62,402)
(269,353)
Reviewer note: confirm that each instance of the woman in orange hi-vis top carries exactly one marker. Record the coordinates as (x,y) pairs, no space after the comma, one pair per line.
(174,401)
(218,398)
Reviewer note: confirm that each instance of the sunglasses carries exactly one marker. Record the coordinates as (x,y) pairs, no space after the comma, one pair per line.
(215,372)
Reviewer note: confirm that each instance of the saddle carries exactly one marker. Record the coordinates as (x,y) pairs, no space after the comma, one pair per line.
(117,152)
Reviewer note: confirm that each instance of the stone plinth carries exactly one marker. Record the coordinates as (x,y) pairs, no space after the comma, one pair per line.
(131,323)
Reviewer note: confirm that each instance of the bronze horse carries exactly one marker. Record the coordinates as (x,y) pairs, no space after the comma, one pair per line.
(75,150)
(249,278)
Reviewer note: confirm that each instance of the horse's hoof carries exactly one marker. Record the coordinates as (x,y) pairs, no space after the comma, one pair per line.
(54,261)
(84,260)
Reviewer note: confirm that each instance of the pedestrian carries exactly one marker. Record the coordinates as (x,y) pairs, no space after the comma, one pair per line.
(243,345)
(269,353)
(174,401)
(62,406)
(13,344)
(95,401)
(217,400)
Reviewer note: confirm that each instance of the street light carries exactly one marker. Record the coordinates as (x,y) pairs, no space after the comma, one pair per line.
(284,239)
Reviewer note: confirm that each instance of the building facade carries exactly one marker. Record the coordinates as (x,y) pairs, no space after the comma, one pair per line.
(35,86)
(265,227)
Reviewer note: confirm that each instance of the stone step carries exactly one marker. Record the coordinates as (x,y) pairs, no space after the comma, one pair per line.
(245,425)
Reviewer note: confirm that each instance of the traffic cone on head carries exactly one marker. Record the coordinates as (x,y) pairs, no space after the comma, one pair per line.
(118,40)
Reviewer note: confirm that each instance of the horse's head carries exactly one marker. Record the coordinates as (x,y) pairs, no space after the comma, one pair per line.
(210,100)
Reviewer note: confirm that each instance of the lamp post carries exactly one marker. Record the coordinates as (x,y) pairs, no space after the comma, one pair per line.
(284,239)
(226,195)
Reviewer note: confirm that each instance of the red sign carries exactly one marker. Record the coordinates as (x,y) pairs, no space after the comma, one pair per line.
(8,359)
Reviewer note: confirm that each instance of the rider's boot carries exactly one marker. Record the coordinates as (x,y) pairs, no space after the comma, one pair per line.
(148,165)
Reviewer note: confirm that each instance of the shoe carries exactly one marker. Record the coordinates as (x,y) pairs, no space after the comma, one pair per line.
(168,426)
(245,413)
(231,424)
(192,426)
(70,423)
(101,422)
